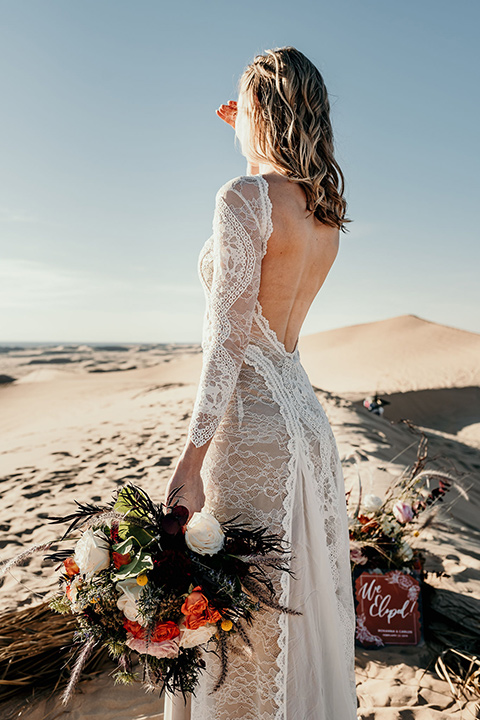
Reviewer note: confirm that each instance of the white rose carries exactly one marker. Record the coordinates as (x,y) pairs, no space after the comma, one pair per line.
(127,602)
(92,552)
(192,638)
(372,503)
(204,534)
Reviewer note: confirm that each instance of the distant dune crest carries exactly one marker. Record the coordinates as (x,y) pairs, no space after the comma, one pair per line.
(400,354)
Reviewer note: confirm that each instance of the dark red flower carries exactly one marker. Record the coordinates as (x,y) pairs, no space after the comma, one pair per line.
(181,513)
(173,568)
(174,520)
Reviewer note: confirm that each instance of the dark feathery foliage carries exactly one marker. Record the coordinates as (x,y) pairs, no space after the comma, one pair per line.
(78,518)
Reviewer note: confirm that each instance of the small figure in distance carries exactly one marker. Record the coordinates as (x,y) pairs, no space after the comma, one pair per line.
(375,404)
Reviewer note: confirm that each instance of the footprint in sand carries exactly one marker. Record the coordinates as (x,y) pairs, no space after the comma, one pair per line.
(8,542)
(165,461)
(35,494)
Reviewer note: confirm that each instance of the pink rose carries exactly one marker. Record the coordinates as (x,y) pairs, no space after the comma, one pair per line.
(357,557)
(403,512)
(165,649)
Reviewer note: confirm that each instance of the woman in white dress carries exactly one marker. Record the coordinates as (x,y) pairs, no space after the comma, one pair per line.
(259,442)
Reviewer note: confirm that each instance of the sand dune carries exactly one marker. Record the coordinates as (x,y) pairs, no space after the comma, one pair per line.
(36,363)
(400,354)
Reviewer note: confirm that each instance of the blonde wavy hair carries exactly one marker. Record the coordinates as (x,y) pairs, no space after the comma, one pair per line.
(288,112)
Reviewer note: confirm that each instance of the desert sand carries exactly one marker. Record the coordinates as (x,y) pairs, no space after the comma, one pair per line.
(78,421)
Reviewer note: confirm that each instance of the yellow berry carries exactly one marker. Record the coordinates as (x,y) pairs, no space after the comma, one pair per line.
(142,580)
(226,625)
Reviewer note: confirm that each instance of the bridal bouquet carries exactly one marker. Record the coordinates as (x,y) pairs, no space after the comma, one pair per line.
(142,579)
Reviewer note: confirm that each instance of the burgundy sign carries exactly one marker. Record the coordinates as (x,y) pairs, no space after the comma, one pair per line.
(388,610)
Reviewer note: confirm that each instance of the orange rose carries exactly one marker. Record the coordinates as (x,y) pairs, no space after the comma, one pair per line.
(135,629)
(119,559)
(165,631)
(71,567)
(197,611)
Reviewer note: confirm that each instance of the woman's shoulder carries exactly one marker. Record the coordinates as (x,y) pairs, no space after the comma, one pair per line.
(246,196)
(246,186)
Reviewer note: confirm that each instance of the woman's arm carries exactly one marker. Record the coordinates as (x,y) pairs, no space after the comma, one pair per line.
(187,470)
(238,232)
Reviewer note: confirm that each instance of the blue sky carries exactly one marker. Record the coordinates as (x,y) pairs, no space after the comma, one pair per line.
(111,155)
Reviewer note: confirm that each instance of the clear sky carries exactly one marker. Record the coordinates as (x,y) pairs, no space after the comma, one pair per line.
(111,155)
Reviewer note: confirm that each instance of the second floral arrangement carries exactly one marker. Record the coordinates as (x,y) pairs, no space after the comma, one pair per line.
(382,529)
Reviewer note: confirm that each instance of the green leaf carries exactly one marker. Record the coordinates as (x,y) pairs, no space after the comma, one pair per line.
(126,530)
(126,503)
(140,564)
(130,545)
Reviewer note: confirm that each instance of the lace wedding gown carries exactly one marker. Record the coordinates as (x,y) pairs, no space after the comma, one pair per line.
(274,458)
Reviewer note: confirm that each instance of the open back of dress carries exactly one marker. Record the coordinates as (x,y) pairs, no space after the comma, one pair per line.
(273,458)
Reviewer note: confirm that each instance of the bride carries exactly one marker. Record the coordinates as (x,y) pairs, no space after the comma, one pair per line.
(259,442)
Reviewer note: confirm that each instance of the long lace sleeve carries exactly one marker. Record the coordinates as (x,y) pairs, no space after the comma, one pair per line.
(239,231)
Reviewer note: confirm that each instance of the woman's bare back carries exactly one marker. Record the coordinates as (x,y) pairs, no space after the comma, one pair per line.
(300,253)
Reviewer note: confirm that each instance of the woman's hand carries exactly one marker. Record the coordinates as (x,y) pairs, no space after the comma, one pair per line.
(191,493)
(228,113)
